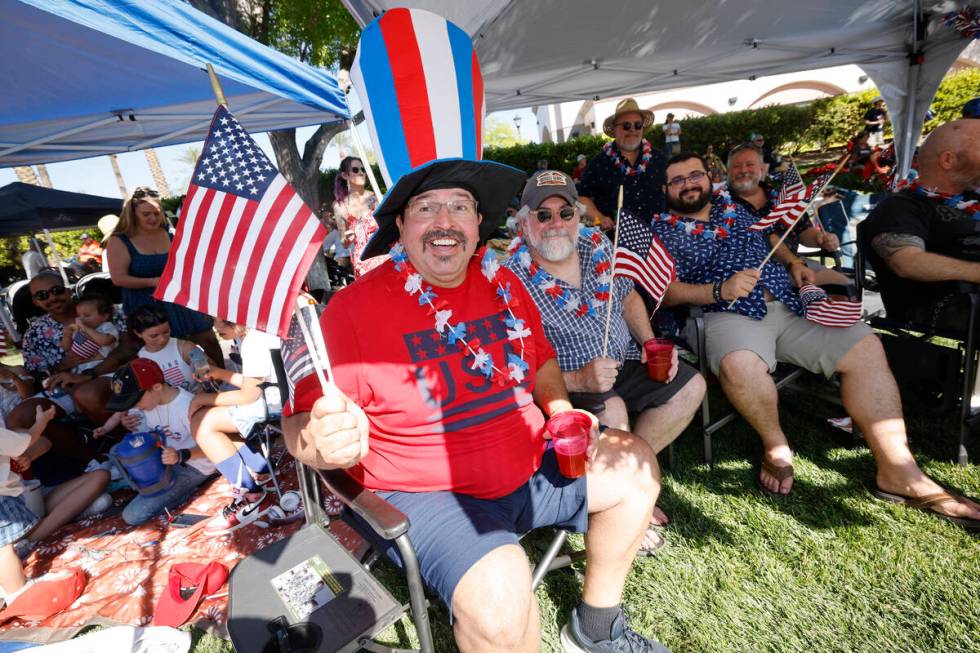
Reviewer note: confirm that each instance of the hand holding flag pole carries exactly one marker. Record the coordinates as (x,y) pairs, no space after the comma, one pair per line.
(789,229)
(612,274)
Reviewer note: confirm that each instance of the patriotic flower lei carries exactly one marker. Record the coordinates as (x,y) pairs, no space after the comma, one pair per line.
(970,207)
(565,297)
(516,368)
(625,166)
(697,228)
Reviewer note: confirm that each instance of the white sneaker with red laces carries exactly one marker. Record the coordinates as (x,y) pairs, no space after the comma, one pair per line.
(240,512)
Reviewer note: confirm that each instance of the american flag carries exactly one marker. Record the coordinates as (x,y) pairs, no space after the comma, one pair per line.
(3,342)
(820,308)
(83,346)
(296,359)
(245,239)
(790,204)
(641,256)
(175,377)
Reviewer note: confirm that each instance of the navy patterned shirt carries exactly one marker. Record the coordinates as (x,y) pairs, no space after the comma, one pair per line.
(702,259)
(578,340)
(643,192)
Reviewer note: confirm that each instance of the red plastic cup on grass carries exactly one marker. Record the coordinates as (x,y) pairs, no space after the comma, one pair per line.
(659,351)
(570,435)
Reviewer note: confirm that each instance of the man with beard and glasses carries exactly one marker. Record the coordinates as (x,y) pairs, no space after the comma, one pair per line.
(631,162)
(924,238)
(749,188)
(566,268)
(716,256)
(445,382)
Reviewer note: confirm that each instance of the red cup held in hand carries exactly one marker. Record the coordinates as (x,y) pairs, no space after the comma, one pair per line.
(659,352)
(569,433)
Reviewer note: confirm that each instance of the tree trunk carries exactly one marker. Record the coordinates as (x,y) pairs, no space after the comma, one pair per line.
(26,175)
(157,171)
(42,171)
(303,172)
(123,193)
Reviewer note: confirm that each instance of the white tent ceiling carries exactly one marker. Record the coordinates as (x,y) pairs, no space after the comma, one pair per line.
(536,52)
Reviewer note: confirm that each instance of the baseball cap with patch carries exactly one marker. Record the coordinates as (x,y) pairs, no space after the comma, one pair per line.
(131,381)
(545,184)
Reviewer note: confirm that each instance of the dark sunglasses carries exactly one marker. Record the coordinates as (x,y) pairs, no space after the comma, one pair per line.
(144,191)
(54,291)
(630,126)
(566,213)
(354,170)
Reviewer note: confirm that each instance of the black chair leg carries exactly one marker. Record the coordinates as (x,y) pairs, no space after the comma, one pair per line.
(969,379)
(416,591)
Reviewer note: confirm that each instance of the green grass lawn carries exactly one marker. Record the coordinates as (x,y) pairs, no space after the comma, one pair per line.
(829,569)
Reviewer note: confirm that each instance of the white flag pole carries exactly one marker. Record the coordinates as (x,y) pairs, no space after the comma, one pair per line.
(362,153)
(57,257)
(314,340)
(612,273)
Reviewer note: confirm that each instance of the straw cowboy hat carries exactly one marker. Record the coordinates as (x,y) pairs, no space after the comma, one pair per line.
(628,105)
(107,224)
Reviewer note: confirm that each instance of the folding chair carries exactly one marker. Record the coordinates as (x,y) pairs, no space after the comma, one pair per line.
(909,333)
(264,434)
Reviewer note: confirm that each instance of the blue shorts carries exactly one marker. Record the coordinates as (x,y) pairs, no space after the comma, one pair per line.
(451,532)
(16,519)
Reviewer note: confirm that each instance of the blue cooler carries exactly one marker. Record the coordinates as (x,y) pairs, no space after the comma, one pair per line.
(138,457)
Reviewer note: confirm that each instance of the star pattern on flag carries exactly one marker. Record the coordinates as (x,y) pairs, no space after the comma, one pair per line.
(231,161)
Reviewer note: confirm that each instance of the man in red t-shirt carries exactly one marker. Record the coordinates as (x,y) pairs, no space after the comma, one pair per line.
(444,379)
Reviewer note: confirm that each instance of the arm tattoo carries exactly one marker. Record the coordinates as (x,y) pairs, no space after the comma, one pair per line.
(888,244)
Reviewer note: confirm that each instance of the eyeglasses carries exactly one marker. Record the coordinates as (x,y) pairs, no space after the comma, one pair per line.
(694,178)
(630,126)
(355,170)
(430,209)
(53,291)
(566,213)
(144,191)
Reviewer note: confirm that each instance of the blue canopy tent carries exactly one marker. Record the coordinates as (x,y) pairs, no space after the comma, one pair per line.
(83,78)
(27,209)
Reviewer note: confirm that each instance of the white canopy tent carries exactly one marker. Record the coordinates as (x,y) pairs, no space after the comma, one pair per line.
(537,52)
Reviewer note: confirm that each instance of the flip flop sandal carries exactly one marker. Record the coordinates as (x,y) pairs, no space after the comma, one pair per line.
(654,550)
(928,504)
(779,472)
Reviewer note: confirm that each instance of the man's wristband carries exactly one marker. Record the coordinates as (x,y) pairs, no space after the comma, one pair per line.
(185,455)
(716,291)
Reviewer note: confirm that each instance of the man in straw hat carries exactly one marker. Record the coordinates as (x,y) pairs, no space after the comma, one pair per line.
(442,409)
(107,225)
(629,161)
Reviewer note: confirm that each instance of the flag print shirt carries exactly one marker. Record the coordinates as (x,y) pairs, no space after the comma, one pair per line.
(176,371)
(436,424)
(702,260)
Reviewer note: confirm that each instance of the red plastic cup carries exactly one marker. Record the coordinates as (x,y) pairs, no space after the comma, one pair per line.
(659,351)
(570,434)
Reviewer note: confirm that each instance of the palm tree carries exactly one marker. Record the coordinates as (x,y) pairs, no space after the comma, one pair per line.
(27,175)
(42,171)
(157,171)
(114,161)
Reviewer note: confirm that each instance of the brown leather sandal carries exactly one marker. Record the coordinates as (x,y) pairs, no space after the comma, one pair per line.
(929,503)
(778,472)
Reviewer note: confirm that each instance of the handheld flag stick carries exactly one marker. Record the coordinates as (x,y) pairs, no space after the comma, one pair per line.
(790,228)
(219,94)
(57,257)
(612,274)
(313,336)
(816,214)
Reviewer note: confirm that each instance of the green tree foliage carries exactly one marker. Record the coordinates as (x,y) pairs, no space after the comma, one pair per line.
(955,91)
(497,133)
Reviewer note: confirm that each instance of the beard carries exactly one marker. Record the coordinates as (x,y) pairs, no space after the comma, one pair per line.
(745,184)
(692,205)
(555,244)
(631,146)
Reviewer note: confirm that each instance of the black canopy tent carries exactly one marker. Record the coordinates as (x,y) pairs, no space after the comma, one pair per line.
(26,209)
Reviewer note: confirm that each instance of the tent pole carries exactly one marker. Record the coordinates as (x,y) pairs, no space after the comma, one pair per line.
(57,256)
(911,88)
(363,156)
(219,94)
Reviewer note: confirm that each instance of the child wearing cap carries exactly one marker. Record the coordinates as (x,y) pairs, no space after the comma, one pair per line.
(153,404)
(20,528)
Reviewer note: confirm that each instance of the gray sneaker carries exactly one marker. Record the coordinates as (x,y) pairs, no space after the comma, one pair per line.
(624,640)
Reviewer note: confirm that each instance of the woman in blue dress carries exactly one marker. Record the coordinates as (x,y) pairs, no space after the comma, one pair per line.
(137,254)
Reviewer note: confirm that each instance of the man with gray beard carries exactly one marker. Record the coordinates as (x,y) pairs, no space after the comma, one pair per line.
(567,269)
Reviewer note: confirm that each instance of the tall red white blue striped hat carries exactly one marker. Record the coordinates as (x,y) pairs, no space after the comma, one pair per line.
(421,89)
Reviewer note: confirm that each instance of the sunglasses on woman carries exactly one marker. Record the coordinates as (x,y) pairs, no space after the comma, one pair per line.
(144,191)
(53,291)
(355,170)
(566,213)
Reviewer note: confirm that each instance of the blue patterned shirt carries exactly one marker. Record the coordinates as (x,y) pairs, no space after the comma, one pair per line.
(703,260)
(578,340)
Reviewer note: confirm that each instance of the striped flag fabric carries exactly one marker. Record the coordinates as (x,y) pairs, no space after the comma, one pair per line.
(245,239)
(820,308)
(296,359)
(420,103)
(83,346)
(790,204)
(3,342)
(175,377)
(792,183)
(641,256)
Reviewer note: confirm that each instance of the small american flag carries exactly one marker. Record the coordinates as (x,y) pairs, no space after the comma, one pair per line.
(83,346)
(174,377)
(296,359)
(790,204)
(820,308)
(641,256)
(3,342)
(245,239)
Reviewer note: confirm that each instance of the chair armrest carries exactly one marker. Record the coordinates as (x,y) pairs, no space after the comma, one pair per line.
(384,519)
(967,288)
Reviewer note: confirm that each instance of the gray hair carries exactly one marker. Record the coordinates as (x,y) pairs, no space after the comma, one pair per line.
(742,148)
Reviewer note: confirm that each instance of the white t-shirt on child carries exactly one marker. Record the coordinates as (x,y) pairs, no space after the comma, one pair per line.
(12,444)
(257,364)
(174,419)
(106,328)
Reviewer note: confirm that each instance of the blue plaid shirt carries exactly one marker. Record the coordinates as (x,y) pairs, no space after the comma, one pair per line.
(578,340)
(703,260)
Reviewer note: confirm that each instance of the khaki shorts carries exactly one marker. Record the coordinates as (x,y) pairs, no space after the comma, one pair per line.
(782,336)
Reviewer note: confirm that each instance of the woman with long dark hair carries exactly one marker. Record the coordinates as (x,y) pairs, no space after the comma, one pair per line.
(353,210)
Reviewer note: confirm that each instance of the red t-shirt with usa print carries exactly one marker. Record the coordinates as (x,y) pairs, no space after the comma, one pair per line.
(435,423)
